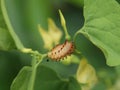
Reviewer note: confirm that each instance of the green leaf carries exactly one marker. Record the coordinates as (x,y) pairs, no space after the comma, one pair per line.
(73,84)
(6,41)
(46,79)
(91,52)
(100,86)
(102,27)
(21,82)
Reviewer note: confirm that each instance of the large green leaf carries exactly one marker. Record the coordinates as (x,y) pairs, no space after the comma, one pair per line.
(92,53)
(10,64)
(46,79)
(21,82)
(102,27)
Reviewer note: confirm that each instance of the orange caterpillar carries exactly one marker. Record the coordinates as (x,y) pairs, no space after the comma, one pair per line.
(61,51)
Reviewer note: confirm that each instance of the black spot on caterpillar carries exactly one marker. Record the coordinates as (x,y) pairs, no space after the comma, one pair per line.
(61,51)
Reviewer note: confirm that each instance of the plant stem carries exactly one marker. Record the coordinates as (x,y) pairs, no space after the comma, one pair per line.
(63,23)
(34,69)
(67,36)
(18,43)
(78,32)
(74,37)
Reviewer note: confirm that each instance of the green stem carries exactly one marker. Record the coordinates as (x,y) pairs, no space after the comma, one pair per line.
(74,37)
(34,70)
(9,25)
(67,36)
(78,52)
(63,23)
(33,75)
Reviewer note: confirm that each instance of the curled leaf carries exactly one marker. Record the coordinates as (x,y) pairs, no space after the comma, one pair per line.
(86,74)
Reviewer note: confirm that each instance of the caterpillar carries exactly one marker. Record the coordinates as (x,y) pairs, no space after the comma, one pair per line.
(61,51)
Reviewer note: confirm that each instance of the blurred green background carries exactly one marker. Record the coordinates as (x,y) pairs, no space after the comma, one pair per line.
(25,15)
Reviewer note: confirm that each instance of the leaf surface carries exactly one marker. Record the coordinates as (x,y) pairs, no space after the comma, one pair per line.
(102,27)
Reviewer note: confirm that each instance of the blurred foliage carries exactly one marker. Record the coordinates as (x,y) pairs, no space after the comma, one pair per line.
(86,75)
(2,22)
(10,64)
(6,41)
(25,16)
(52,37)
